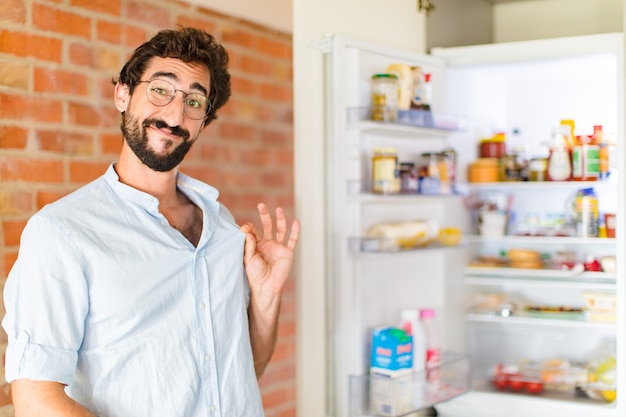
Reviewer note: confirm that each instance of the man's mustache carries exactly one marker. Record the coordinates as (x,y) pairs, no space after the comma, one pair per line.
(160,124)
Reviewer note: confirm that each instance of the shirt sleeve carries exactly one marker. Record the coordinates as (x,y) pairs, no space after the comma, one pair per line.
(46,300)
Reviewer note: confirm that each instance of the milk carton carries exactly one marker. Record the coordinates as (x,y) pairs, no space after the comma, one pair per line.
(391,372)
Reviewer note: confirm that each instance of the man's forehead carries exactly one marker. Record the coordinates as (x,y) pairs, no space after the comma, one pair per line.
(176,69)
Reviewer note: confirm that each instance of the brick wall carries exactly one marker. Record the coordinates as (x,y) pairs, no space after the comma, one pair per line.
(59,128)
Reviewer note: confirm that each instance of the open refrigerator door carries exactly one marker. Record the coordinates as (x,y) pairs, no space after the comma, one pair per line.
(526,338)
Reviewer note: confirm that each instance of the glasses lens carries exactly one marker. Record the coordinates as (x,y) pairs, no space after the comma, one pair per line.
(160,92)
(196,106)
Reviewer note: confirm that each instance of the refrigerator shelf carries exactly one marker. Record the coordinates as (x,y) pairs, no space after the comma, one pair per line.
(536,275)
(361,189)
(538,185)
(580,282)
(408,122)
(409,392)
(370,246)
(522,319)
(539,240)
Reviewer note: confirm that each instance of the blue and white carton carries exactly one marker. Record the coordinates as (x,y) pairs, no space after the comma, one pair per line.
(391,372)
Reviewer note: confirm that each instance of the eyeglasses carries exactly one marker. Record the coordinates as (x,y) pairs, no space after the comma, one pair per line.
(161,93)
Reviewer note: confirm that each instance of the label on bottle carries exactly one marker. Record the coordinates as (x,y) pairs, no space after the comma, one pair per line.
(559,165)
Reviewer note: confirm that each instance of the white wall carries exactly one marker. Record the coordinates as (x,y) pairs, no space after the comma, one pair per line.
(525,20)
(276,14)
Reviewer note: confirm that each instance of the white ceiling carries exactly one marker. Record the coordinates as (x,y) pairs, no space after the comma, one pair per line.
(272,13)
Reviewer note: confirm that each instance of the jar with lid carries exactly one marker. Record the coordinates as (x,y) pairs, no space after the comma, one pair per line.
(385,89)
(385,174)
(511,170)
(537,168)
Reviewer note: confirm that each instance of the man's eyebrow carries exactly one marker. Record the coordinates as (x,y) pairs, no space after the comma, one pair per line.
(173,76)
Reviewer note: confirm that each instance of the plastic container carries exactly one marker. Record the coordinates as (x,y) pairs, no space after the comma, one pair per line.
(433,351)
(559,160)
(587,216)
(483,170)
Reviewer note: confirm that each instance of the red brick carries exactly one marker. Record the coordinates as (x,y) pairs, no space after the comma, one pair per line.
(12,231)
(243,86)
(69,143)
(8,259)
(134,36)
(27,45)
(53,19)
(15,202)
(111,143)
(274,48)
(82,55)
(47,80)
(92,115)
(110,32)
(276,93)
(14,106)
(48,196)
(236,36)
(112,7)
(84,172)
(32,170)
(254,65)
(237,131)
(13,137)
(12,11)
(144,12)
(278,396)
(188,21)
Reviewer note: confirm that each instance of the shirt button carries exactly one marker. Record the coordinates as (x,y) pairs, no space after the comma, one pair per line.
(202,306)
(212,408)
(207,358)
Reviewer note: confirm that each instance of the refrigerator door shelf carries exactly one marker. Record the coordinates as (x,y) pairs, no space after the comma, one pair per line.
(409,122)
(410,391)
(536,323)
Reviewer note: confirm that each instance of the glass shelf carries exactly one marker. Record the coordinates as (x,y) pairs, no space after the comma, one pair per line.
(537,185)
(365,245)
(540,240)
(408,121)
(406,393)
(523,319)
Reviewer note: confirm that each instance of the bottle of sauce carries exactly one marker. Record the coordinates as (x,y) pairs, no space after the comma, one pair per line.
(603,152)
(559,159)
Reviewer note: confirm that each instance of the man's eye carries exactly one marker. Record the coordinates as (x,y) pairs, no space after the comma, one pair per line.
(160,91)
(194,103)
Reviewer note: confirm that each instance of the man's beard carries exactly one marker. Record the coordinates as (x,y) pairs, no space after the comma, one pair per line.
(137,139)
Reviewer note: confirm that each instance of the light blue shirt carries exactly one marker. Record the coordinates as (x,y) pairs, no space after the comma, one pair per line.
(109,299)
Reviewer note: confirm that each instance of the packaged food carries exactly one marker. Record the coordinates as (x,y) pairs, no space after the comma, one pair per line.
(403,235)
(483,170)
(602,306)
(385,97)
(385,173)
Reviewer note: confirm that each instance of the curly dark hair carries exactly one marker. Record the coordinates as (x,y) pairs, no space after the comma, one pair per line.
(189,45)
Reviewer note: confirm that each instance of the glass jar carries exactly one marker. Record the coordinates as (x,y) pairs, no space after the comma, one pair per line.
(537,168)
(385,89)
(385,175)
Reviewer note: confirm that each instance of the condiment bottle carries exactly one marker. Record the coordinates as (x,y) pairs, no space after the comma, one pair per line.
(559,160)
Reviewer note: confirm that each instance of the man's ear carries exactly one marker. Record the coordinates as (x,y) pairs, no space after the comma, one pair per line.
(122,96)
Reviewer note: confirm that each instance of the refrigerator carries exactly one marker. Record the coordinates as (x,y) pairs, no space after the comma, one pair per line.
(546,331)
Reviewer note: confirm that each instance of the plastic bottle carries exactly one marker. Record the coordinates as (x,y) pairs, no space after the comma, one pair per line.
(410,319)
(433,351)
(410,322)
(586,205)
(559,160)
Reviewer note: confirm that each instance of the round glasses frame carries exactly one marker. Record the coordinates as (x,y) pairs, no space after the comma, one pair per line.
(161,93)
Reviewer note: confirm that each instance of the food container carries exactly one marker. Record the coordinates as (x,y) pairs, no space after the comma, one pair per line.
(385,174)
(483,170)
(602,306)
(385,89)
(492,148)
